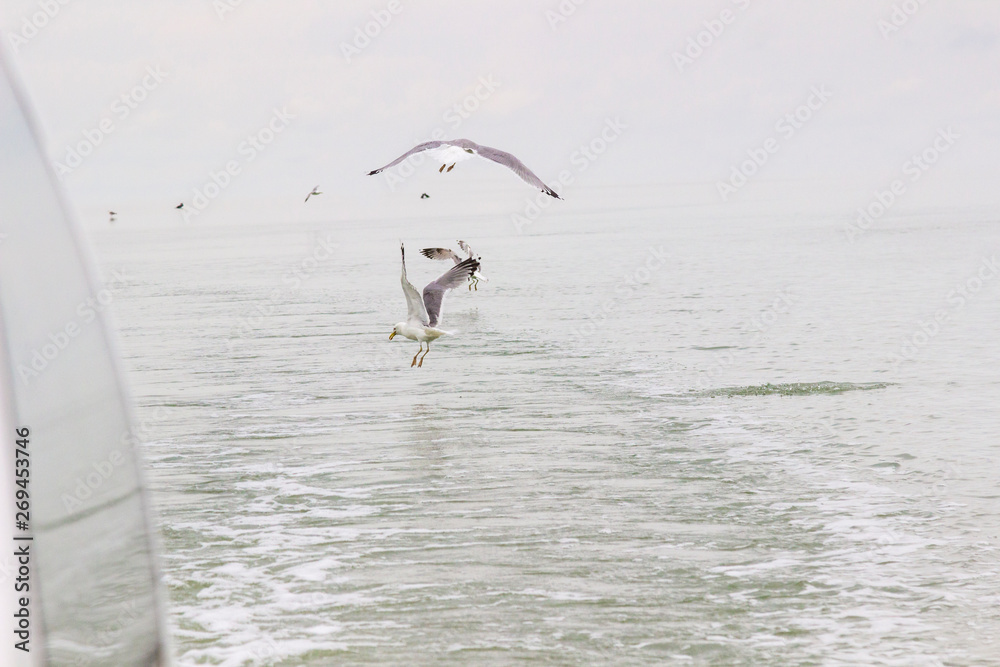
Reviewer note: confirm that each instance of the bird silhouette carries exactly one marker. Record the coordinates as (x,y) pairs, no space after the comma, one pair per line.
(452,152)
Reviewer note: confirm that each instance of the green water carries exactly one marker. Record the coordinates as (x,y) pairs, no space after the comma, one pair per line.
(727,458)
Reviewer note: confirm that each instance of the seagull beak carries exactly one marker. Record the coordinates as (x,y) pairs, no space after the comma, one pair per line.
(391,335)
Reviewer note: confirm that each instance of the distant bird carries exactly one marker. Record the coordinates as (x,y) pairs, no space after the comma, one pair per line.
(112,214)
(314,192)
(181,205)
(425,196)
(453,152)
(448,253)
(424,314)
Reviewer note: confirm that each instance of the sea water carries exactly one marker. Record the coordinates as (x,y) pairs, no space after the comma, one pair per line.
(658,436)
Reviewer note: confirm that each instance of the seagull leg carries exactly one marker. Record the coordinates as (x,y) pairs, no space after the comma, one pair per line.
(419,350)
(442,168)
(451,167)
(425,354)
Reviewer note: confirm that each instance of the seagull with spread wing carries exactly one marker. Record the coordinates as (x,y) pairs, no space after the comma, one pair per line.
(448,253)
(453,152)
(424,314)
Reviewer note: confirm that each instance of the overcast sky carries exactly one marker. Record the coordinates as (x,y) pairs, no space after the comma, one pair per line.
(199,77)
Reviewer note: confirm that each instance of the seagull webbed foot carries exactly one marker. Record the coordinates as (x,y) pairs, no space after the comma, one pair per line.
(451,167)
(442,168)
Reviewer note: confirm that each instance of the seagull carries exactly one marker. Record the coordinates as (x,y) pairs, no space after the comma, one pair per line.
(425,196)
(423,315)
(448,253)
(314,192)
(181,205)
(453,152)
(112,214)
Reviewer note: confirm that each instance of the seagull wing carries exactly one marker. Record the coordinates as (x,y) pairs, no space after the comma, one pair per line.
(427,145)
(434,292)
(441,253)
(466,248)
(416,314)
(515,165)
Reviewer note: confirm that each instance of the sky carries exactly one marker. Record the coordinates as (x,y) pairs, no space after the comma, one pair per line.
(723,102)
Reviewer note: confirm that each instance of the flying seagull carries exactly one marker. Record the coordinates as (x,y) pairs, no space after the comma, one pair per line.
(448,253)
(423,315)
(453,152)
(181,205)
(425,196)
(314,192)
(112,214)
